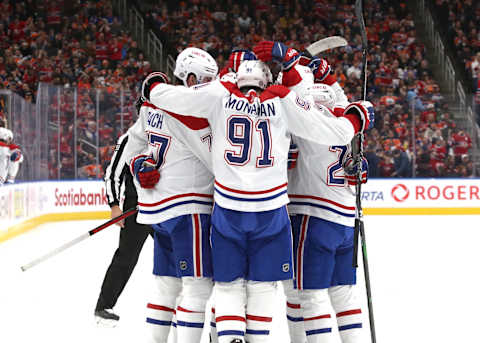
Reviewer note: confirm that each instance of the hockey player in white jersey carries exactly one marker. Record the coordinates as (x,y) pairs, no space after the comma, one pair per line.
(4,154)
(178,203)
(16,157)
(322,206)
(251,239)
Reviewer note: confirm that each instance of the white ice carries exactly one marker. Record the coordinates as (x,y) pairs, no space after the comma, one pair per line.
(424,275)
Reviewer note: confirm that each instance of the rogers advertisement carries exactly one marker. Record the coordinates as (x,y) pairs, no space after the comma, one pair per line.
(421,193)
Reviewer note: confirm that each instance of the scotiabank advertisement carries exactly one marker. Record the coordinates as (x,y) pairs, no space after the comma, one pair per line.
(23,201)
(421,193)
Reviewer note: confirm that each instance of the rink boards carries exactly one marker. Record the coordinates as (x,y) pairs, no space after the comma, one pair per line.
(24,206)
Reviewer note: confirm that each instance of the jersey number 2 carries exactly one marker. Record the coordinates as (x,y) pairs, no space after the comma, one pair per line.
(239,134)
(334,168)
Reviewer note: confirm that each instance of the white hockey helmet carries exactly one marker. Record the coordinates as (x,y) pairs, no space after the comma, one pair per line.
(322,94)
(4,134)
(197,62)
(9,135)
(253,74)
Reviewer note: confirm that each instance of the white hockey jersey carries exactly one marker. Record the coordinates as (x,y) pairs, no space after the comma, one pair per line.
(181,147)
(317,186)
(14,164)
(251,137)
(4,161)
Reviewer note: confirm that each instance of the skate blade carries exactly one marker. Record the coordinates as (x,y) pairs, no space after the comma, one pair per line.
(105,323)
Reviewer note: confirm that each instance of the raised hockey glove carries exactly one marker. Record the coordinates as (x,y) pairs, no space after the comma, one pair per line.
(143,168)
(351,170)
(276,51)
(292,156)
(321,71)
(361,114)
(150,81)
(238,56)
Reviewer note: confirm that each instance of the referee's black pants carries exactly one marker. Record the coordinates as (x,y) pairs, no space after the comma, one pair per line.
(132,238)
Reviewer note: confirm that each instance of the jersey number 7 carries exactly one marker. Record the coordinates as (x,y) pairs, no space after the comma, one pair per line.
(160,143)
(239,134)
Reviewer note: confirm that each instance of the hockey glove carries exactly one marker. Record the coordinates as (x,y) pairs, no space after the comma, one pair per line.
(292,156)
(238,56)
(350,168)
(361,114)
(276,51)
(321,71)
(150,81)
(15,156)
(143,168)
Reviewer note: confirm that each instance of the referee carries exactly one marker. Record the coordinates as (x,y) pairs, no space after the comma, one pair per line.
(132,235)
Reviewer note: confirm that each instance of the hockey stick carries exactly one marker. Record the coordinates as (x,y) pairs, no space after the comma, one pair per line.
(80,238)
(326,44)
(359,225)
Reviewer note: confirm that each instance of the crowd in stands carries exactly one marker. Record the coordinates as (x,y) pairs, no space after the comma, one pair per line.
(82,44)
(459,22)
(73,44)
(408,101)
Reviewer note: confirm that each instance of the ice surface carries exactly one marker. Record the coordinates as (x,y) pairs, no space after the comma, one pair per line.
(424,273)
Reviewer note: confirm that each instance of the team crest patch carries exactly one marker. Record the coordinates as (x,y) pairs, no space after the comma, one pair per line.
(286,267)
(302,103)
(116,147)
(183,265)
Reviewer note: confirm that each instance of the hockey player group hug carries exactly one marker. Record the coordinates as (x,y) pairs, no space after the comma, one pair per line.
(10,157)
(246,182)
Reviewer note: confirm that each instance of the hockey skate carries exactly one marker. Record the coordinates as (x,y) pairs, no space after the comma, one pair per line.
(106,318)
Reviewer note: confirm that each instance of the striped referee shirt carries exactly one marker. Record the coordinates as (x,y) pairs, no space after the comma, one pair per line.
(128,145)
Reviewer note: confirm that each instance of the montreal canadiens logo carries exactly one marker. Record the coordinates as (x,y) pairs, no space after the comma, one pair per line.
(400,192)
(302,103)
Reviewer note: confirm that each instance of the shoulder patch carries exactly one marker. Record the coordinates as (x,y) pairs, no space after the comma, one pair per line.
(302,103)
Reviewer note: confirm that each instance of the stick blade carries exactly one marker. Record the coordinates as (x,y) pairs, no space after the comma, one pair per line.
(326,44)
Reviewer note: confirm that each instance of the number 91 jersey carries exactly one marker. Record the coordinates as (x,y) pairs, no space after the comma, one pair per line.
(181,148)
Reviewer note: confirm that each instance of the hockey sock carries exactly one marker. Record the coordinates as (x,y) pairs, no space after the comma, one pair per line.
(191,308)
(161,308)
(317,319)
(260,307)
(213,327)
(294,313)
(349,313)
(230,300)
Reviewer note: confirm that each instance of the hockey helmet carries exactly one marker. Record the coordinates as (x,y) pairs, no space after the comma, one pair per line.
(322,94)
(253,74)
(197,62)
(4,134)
